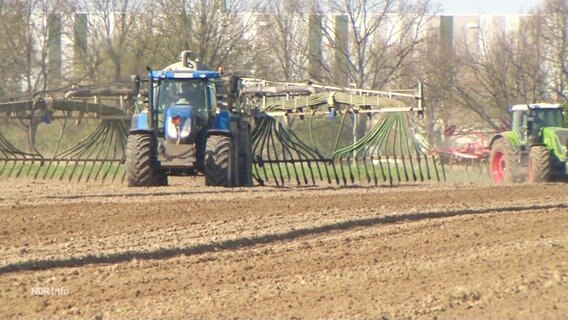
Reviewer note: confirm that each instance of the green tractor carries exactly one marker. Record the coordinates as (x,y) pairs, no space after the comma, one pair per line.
(187,129)
(535,150)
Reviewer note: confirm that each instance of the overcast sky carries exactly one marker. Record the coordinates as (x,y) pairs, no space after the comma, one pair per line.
(487,6)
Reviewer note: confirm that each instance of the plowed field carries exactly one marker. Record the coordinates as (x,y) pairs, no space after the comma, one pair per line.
(187,251)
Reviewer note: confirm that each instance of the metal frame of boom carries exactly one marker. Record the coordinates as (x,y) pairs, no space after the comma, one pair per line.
(290,98)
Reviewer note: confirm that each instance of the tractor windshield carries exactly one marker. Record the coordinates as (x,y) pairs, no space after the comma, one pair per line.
(548,118)
(192,92)
(183,91)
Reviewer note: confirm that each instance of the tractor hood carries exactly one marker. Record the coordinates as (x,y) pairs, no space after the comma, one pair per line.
(557,141)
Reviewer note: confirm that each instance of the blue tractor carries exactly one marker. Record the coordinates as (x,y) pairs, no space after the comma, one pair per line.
(187,128)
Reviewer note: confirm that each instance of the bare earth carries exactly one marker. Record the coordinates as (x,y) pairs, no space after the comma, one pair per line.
(187,251)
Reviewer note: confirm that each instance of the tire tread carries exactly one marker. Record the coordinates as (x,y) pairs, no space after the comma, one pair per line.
(540,164)
(218,161)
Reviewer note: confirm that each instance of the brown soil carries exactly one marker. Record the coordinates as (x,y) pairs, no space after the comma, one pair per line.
(188,251)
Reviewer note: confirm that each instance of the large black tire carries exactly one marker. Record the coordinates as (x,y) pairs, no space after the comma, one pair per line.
(502,162)
(142,168)
(218,161)
(540,165)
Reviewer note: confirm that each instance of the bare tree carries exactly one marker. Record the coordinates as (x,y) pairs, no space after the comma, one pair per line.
(485,81)
(110,24)
(554,18)
(523,65)
(282,41)
(30,53)
(31,33)
(145,43)
(382,36)
(213,29)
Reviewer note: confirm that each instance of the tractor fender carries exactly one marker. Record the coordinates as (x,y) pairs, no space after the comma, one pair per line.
(140,121)
(495,138)
(219,132)
(223,120)
(509,136)
(140,131)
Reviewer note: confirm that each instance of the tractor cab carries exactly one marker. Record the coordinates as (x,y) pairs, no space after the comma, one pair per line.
(189,93)
(529,120)
(183,103)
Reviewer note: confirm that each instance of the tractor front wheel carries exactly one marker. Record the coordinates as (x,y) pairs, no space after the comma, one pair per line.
(142,168)
(218,161)
(501,162)
(539,165)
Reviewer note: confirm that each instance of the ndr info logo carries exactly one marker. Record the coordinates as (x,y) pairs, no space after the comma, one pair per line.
(47,291)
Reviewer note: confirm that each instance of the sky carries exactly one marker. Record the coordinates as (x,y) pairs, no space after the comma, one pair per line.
(486,6)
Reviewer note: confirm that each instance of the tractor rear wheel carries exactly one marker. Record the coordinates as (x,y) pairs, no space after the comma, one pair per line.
(218,161)
(501,162)
(540,165)
(142,168)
